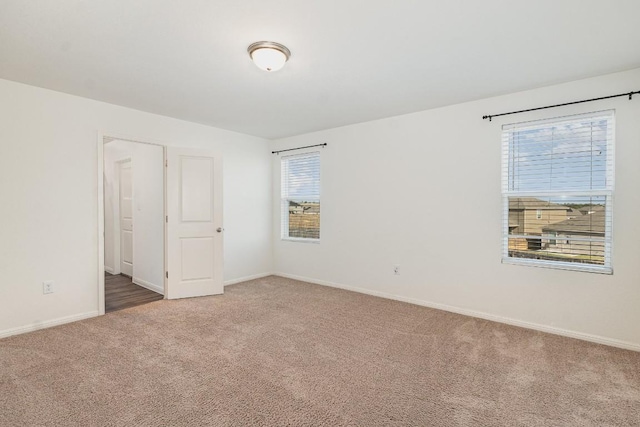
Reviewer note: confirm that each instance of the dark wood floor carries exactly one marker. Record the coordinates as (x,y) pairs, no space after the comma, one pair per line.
(121,292)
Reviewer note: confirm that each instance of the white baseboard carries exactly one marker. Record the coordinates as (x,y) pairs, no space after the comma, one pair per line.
(479,314)
(148,285)
(246,278)
(109,270)
(47,324)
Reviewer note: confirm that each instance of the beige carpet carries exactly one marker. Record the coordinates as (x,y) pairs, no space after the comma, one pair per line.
(279,352)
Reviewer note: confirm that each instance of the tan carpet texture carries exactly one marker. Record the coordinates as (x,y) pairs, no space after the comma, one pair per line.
(280,352)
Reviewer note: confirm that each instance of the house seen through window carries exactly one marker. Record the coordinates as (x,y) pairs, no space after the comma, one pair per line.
(300,197)
(557,186)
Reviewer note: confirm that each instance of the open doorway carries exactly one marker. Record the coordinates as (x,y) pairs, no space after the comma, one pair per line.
(133,223)
(175,228)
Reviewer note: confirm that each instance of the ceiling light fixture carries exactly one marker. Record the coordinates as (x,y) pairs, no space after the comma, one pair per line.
(270,56)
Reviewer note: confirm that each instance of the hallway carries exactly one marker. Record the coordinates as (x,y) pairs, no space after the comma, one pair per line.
(121,292)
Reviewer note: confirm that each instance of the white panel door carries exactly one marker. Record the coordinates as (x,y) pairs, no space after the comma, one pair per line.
(194,223)
(126,218)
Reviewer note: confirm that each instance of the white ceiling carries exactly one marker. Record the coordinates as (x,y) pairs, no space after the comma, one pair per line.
(352,60)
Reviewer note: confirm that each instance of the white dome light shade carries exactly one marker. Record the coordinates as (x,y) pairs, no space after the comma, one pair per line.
(269,59)
(269,56)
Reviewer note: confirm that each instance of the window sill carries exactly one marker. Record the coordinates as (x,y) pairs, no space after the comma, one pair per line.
(300,240)
(559,265)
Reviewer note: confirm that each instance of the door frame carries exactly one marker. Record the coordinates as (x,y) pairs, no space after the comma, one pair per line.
(102,139)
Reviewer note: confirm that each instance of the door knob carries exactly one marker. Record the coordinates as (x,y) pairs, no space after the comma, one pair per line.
(219,229)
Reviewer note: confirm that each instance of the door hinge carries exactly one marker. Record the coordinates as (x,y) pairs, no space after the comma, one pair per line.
(166,163)
(167,218)
(167,274)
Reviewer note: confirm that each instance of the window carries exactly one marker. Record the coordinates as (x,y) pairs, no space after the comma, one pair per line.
(300,207)
(557,180)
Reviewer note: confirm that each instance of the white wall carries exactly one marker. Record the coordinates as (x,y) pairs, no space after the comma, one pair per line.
(423,191)
(49,191)
(148,210)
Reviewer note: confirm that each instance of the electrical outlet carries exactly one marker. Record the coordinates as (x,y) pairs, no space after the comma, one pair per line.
(396,270)
(47,287)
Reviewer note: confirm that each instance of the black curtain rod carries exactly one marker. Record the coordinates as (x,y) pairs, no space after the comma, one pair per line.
(299,148)
(629,94)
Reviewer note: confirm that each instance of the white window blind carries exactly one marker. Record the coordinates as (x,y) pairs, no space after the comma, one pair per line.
(300,207)
(557,187)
